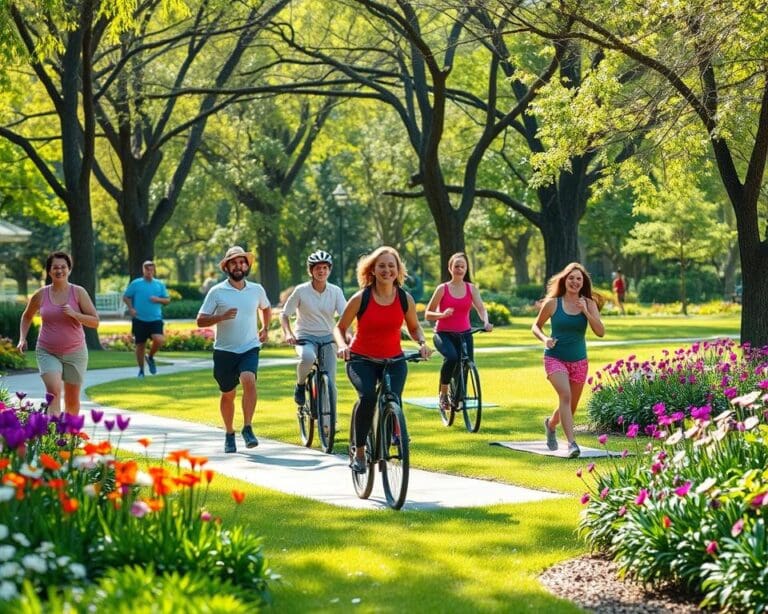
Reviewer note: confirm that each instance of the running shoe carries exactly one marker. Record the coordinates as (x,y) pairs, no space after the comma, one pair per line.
(358,465)
(249,437)
(229,443)
(573,450)
(151,364)
(141,374)
(299,395)
(551,436)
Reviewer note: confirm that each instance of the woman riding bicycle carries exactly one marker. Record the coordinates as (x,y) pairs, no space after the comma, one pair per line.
(449,307)
(381,307)
(316,304)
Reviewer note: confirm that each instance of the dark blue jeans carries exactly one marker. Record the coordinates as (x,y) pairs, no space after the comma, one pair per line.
(449,345)
(365,376)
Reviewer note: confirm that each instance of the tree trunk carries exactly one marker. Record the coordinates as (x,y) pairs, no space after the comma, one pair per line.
(518,250)
(268,267)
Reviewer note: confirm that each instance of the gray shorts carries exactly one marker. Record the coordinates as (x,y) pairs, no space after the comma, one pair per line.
(71,366)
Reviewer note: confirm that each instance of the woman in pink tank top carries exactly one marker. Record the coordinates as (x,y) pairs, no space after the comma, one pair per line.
(62,356)
(449,307)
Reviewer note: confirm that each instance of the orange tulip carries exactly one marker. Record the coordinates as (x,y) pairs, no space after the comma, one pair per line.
(4,462)
(209,473)
(69,505)
(48,462)
(145,441)
(177,456)
(238,496)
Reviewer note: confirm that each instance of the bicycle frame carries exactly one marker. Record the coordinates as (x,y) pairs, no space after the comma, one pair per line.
(316,381)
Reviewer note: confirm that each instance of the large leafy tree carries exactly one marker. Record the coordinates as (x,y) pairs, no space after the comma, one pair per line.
(708,62)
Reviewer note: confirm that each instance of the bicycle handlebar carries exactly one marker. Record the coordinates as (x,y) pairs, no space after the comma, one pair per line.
(307,341)
(406,357)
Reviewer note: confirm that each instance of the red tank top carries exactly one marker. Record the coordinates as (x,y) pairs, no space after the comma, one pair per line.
(378,330)
(59,333)
(458,321)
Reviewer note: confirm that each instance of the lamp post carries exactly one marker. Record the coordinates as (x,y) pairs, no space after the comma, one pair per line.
(341,197)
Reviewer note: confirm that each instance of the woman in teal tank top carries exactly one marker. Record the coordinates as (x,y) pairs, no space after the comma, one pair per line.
(570,307)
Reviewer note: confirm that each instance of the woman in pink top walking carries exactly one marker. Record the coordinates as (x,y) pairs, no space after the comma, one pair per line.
(449,307)
(62,356)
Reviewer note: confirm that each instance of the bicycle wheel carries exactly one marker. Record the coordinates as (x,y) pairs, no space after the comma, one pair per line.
(326,414)
(455,394)
(363,482)
(472,406)
(396,461)
(304,414)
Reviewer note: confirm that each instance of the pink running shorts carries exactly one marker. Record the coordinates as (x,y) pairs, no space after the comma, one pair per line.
(577,370)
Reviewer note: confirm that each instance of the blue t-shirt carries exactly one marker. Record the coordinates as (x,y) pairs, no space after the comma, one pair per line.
(570,331)
(139,291)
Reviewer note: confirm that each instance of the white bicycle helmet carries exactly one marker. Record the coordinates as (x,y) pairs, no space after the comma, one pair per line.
(318,257)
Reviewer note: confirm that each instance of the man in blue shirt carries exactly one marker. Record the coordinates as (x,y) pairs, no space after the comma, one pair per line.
(145,297)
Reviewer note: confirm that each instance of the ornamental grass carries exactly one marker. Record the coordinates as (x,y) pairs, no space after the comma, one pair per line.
(689,508)
(704,374)
(72,511)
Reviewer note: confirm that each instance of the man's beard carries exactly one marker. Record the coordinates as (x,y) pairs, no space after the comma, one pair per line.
(238,274)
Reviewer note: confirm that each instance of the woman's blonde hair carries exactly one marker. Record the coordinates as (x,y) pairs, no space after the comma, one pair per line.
(367,263)
(556,284)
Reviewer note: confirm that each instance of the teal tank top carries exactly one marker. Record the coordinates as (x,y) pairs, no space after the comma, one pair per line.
(570,332)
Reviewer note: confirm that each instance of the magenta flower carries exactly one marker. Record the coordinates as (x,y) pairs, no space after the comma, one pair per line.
(205,516)
(96,415)
(682,491)
(737,527)
(122,421)
(585,498)
(602,439)
(763,384)
(604,492)
(730,393)
(641,496)
(659,409)
(656,468)
(591,467)
(712,547)
(677,416)
(622,510)
(620,420)
(139,509)
(578,472)
(633,430)
(759,500)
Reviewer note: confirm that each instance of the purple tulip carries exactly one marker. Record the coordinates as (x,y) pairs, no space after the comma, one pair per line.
(122,421)
(37,424)
(97,415)
(48,398)
(73,424)
(14,437)
(109,425)
(20,395)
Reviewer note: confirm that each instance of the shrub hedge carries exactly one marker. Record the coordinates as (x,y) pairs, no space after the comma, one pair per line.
(10,316)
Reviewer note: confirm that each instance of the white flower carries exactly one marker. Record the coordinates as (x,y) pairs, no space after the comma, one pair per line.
(77,570)
(751,423)
(8,590)
(6,494)
(31,472)
(21,539)
(45,547)
(10,570)
(63,561)
(34,562)
(6,552)
(91,490)
(143,479)
(706,485)
(3,530)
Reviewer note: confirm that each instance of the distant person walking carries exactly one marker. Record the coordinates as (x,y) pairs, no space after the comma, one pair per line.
(450,307)
(209,282)
(62,356)
(233,306)
(570,306)
(620,289)
(145,297)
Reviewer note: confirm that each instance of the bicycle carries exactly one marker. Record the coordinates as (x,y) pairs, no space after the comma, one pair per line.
(387,443)
(464,389)
(319,404)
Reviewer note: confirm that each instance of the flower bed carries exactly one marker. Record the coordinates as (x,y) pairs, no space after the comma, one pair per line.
(198,339)
(73,513)
(709,373)
(691,507)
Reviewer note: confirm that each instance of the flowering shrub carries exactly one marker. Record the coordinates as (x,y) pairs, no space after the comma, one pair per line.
(707,373)
(692,508)
(199,339)
(10,357)
(72,509)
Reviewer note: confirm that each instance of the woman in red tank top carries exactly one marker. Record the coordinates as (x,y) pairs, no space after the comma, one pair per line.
(449,307)
(381,275)
(62,356)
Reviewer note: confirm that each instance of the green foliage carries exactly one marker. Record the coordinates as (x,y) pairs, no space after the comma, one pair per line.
(10,357)
(498,314)
(133,590)
(704,374)
(691,509)
(532,292)
(10,315)
(183,309)
(700,286)
(185,291)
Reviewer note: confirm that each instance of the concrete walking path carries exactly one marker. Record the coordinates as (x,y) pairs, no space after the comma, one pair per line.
(287,468)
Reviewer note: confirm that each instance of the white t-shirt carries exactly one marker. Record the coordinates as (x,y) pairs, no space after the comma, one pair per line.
(241,333)
(315,310)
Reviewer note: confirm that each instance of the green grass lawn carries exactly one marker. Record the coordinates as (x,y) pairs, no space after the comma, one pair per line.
(475,559)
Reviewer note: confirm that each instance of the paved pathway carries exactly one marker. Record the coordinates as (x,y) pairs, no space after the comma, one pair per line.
(287,468)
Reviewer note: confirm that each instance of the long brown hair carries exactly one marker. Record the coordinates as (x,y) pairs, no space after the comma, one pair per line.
(463,256)
(556,284)
(367,263)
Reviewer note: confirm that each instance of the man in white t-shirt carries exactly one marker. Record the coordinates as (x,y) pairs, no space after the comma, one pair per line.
(316,304)
(233,306)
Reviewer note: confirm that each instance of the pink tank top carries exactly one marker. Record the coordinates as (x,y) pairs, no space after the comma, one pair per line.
(378,330)
(458,321)
(59,333)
